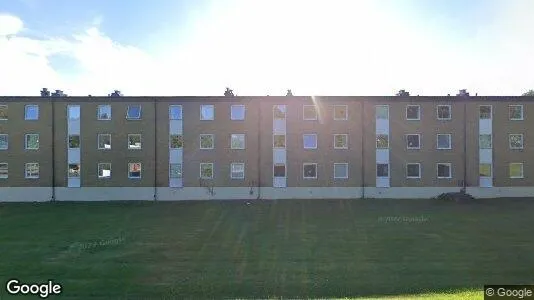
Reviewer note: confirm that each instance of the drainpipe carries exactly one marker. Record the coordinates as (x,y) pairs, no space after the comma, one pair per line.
(363,148)
(53,197)
(464,184)
(155,152)
(259,151)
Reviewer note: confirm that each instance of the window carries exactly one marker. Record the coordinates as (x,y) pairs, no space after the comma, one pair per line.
(413,112)
(341,170)
(382,170)
(133,112)
(207,112)
(340,112)
(32,170)
(382,141)
(444,141)
(32,141)
(4,142)
(74,141)
(73,112)
(516,141)
(516,112)
(485,111)
(516,170)
(309,112)
(176,141)
(237,112)
(74,171)
(279,112)
(444,170)
(104,141)
(175,112)
(175,170)
(382,112)
(104,170)
(309,170)
(279,170)
(104,112)
(309,141)
(134,141)
(341,141)
(31,112)
(413,170)
(444,112)
(206,141)
(134,170)
(279,140)
(206,170)
(484,141)
(4,170)
(413,141)
(237,141)
(237,171)
(484,170)
(3,112)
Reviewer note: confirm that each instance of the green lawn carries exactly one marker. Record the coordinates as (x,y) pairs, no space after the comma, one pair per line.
(269,249)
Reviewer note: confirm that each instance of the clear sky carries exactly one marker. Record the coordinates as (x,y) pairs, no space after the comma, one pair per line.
(263,47)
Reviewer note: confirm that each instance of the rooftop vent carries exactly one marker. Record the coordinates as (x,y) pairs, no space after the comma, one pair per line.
(115,94)
(463,93)
(289,93)
(229,92)
(403,93)
(45,92)
(59,93)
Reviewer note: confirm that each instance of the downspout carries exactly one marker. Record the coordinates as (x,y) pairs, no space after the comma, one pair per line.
(363,149)
(53,197)
(155,151)
(464,183)
(259,151)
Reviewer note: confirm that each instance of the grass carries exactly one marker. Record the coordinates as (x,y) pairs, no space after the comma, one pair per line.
(269,249)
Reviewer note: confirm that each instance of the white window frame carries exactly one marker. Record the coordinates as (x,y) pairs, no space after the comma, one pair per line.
(510,112)
(450,170)
(232,170)
(346,140)
(309,135)
(376,141)
(418,112)
(181,170)
(346,168)
(101,135)
(346,117)
(491,112)
(304,173)
(26,141)
(304,107)
(7,141)
(491,169)
(450,112)
(522,170)
(389,170)
(26,107)
(104,177)
(140,172)
(69,116)
(237,135)
(212,170)
(212,112)
(236,106)
(282,108)
(140,141)
(381,106)
(170,141)
(285,141)
(99,115)
(138,117)
(212,141)
(171,117)
(419,172)
(6,107)
(6,176)
(450,141)
(510,141)
(31,176)
(418,139)
(79,170)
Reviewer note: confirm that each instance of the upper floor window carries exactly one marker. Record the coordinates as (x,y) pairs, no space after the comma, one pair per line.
(176,141)
(207,141)
(31,112)
(3,112)
(444,112)
(516,112)
(4,141)
(134,141)
(31,170)
(413,112)
(133,112)
(134,170)
(485,111)
(237,141)
(309,141)
(309,112)
(4,170)
(31,141)
(74,141)
(175,112)
(207,112)
(382,112)
(237,112)
(104,112)
(73,112)
(279,112)
(340,112)
(444,141)
(382,141)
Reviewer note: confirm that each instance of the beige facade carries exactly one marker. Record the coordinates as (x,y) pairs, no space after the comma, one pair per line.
(335,147)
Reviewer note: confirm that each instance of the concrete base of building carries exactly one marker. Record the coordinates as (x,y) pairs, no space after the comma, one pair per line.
(43,194)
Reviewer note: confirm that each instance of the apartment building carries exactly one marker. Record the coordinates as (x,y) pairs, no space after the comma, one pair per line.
(187,148)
